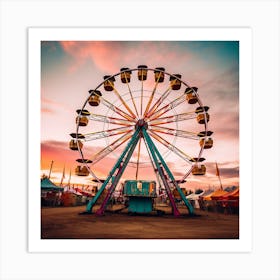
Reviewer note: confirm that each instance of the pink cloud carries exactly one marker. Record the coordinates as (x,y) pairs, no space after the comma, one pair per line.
(51,106)
(109,57)
(46,110)
(105,56)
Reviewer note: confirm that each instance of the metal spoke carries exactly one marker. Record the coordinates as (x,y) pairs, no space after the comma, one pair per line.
(152,96)
(142,89)
(113,146)
(173,118)
(107,133)
(111,120)
(122,100)
(168,107)
(116,109)
(171,147)
(160,100)
(175,132)
(132,99)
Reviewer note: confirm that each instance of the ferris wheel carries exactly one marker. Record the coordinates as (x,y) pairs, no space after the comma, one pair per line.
(147,119)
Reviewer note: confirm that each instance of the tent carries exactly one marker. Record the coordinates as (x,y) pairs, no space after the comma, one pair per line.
(201,201)
(48,185)
(205,193)
(193,197)
(229,202)
(233,195)
(214,195)
(50,193)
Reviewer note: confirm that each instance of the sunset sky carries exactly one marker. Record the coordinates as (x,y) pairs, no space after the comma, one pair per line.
(70,69)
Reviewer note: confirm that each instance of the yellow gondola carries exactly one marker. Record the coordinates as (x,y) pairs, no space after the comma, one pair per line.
(109,84)
(203,118)
(159,74)
(82,120)
(73,145)
(199,170)
(190,95)
(208,143)
(202,115)
(175,83)
(125,75)
(94,99)
(81,171)
(142,72)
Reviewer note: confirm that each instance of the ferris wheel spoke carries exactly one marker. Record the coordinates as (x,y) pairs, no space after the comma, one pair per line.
(171,147)
(116,109)
(160,100)
(151,96)
(168,107)
(107,133)
(175,132)
(138,158)
(173,118)
(122,101)
(131,96)
(111,120)
(113,146)
(141,101)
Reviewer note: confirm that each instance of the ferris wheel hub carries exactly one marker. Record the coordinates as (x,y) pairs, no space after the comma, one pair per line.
(141,123)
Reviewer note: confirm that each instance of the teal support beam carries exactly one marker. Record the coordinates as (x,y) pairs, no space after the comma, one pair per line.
(152,150)
(153,147)
(122,166)
(116,166)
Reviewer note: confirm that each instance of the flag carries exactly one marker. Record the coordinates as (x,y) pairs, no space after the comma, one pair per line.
(63,173)
(217,170)
(69,178)
(63,176)
(50,170)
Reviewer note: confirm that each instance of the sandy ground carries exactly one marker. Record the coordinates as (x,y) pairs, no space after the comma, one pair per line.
(65,222)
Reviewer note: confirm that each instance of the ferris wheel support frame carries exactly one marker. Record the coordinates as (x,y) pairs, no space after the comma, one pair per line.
(121,164)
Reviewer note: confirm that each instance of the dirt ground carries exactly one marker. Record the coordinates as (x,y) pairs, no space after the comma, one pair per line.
(66,223)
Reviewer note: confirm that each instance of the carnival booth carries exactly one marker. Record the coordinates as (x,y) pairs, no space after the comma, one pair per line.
(50,193)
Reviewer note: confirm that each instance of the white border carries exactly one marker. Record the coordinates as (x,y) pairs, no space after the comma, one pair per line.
(243,35)
(263,261)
